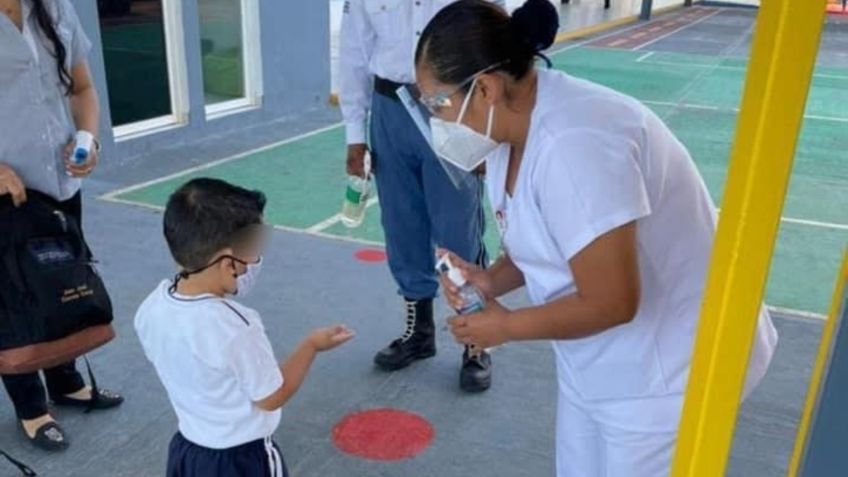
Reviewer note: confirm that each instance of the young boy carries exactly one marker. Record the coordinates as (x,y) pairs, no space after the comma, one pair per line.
(210,352)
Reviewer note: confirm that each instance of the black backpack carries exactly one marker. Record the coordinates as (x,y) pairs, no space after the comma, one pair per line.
(53,305)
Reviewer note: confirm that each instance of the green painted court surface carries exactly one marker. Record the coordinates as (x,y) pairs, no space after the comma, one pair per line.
(696,95)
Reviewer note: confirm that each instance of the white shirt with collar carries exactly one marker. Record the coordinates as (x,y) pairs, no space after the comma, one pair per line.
(378,38)
(596,160)
(215,362)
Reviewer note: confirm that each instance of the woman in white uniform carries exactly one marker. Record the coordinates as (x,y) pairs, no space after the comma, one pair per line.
(603,217)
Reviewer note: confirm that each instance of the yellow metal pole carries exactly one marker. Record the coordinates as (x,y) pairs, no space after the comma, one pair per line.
(782,60)
(825,348)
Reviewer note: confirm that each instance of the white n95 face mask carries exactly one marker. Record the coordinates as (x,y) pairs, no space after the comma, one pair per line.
(459,144)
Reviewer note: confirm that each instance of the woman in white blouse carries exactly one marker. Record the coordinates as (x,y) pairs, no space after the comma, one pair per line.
(603,217)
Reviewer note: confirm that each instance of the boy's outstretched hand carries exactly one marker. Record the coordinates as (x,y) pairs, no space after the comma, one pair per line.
(294,369)
(325,339)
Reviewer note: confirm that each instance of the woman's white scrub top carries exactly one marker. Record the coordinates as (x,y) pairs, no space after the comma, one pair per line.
(596,160)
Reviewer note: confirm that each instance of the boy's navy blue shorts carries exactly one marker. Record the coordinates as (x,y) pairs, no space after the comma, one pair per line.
(260,458)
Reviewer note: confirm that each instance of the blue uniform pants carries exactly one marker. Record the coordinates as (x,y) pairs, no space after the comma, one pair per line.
(421,206)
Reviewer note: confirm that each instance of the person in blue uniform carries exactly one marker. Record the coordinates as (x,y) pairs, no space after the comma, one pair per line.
(421,207)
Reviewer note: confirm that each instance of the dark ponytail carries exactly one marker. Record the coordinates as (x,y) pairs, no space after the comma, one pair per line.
(469,36)
(47,25)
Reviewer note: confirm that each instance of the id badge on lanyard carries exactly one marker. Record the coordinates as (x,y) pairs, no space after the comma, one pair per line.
(501,221)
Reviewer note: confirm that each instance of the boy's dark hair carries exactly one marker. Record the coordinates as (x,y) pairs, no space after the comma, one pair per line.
(205,216)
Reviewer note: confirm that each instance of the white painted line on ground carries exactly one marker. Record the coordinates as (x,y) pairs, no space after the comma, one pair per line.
(112,195)
(331,221)
(645,57)
(681,105)
(735,110)
(815,223)
(679,64)
(797,313)
(810,223)
(342,238)
(826,118)
(719,67)
(325,224)
(678,30)
(143,205)
(829,76)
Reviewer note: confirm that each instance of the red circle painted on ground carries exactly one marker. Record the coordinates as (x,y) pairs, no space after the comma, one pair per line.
(371,255)
(383,434)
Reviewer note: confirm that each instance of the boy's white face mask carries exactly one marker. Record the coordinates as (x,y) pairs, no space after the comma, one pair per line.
(247,280)
(459,144)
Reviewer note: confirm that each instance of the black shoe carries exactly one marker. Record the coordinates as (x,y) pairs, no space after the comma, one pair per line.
(476,373)
(49,437)
(417,342)
(103,399)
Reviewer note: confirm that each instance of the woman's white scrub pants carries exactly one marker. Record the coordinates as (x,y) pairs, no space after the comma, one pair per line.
(616,438)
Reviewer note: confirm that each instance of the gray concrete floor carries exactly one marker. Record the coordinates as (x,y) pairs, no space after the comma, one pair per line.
(311,281)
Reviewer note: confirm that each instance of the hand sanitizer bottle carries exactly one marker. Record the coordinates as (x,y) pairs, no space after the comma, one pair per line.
(472,299)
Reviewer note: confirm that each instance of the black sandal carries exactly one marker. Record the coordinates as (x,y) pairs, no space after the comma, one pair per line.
(100,399)
(49,437)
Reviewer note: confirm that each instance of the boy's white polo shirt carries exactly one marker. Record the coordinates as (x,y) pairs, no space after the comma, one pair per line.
(215,361)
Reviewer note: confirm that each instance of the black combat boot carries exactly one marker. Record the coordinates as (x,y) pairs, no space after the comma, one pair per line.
(417,342)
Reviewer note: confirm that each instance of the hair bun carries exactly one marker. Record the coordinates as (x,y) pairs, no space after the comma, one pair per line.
(537,22)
